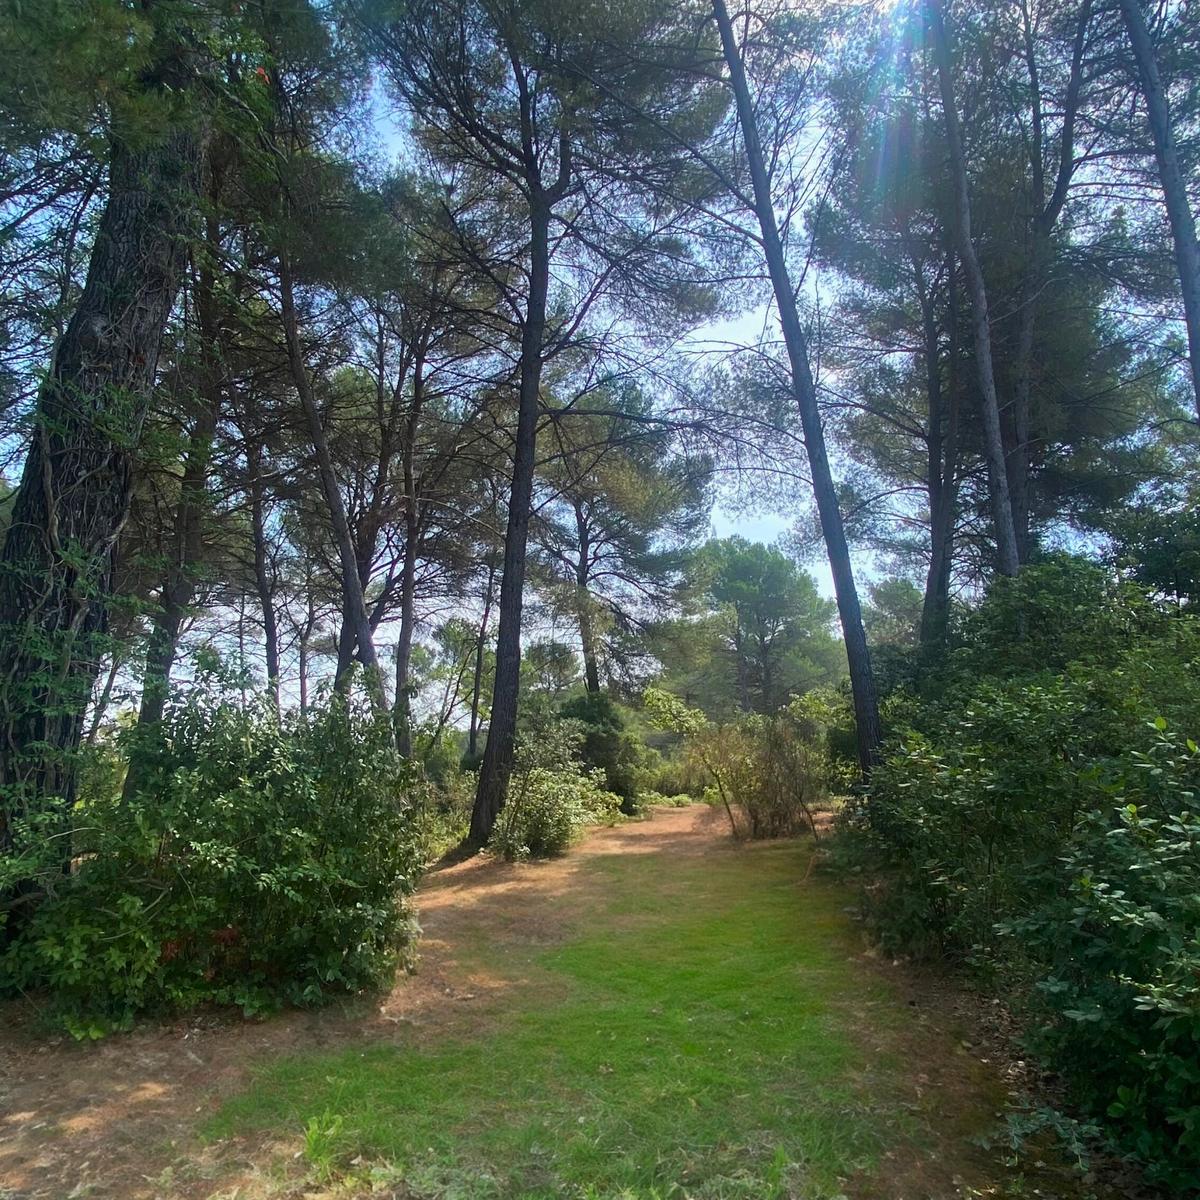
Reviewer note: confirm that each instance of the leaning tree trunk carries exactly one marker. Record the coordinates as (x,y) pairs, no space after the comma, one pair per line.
(1007,555)
(187,533)
(500,750)
(56,572)
(862,681)
(352,590)
(1175,194)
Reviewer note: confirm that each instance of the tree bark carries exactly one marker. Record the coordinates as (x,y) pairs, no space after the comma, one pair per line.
(862,682)
(500,750)
(56,571)
(587,632)
(263,584)
(943,500)
(352,589)
(1175,194)
(480,649)
(1008,559)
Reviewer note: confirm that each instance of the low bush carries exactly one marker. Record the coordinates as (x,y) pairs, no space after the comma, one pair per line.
(265,860)
(769,773)
(552,797)
(609,745)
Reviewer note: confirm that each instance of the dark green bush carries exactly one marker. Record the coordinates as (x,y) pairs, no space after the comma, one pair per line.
(1037,819)
(609,745)
(265,860)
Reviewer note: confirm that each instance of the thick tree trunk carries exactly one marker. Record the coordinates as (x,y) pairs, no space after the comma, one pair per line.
(1174,185)
(1007,557)
(56,572)
(352,589)
(862,682)
(502,728)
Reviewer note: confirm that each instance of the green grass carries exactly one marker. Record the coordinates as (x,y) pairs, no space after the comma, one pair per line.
(690,1040)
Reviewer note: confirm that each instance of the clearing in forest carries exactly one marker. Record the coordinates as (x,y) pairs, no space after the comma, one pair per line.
(663,1013)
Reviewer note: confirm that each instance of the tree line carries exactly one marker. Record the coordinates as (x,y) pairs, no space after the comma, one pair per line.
(337,408)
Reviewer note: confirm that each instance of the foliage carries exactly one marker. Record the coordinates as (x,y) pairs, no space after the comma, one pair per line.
(768,772)
(1036,818)
(608,744)
(265,860)
(552,797)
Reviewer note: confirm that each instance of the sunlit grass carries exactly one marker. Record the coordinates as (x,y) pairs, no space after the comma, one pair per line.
(691,1040)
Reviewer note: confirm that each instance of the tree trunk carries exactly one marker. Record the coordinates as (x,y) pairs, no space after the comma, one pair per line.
(502,729)
(862,682)
(480,649)
(263,584)
(408,574)
(56,571)
(178,588)
(587,632)
(352,589)
(1174,185)
(1008,559)
(943,501)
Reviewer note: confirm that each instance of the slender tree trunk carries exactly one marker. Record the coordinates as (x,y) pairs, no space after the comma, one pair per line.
(587,632)
(408,574)
(1008,559)
(263,584)
(502,728)
(862,682)
(179,582)
(103,700)
(56,571)
(943,504)
(352,588)
(1174,185)
(480,650)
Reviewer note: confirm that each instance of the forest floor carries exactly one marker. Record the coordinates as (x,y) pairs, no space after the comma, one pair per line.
(661,1014)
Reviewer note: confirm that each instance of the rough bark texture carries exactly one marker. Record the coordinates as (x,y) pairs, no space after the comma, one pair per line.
(502,728)
(862,682)
(1007,557)
(587,632)
(1175,195)
(480,650)
(57,566)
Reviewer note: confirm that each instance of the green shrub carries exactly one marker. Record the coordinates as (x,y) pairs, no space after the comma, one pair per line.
(265,860)
(1037,820)
(608,745)
(1118,947)
(547,810)
(768,773)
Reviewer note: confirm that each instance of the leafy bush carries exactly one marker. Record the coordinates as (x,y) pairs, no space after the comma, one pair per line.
(265,860)
(608,744)
(768,773)
(552,797)
(1036,818)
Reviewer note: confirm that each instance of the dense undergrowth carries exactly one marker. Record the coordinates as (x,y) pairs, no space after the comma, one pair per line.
(1036,820)
(265,859)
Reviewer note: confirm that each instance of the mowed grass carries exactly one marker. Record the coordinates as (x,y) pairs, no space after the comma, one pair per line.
(690,1036)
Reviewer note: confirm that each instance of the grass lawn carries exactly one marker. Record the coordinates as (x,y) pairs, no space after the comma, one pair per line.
(692,1034)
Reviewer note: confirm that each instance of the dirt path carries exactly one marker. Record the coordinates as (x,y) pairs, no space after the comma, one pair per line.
(118,1118)
(106,1120)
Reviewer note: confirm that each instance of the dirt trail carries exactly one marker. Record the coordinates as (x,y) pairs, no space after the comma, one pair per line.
(106,1120)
